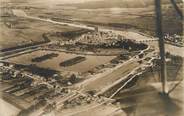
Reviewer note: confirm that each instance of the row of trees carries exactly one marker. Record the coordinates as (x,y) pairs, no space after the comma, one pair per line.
(123,44)
(44,57)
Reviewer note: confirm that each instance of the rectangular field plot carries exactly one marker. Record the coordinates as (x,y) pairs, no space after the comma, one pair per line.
(54,62)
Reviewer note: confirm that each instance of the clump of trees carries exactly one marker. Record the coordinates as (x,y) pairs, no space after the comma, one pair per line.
(129,45)
(71,34)
(44,72)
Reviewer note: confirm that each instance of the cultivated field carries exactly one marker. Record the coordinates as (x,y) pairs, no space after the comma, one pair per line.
(144,92)
(98,84)
(17,30)
(121,16)
(54,63)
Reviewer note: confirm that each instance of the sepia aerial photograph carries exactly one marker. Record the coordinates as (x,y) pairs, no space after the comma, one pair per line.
(91,58)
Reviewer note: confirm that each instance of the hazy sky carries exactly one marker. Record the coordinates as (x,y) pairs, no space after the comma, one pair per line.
(63,1)
(52,3)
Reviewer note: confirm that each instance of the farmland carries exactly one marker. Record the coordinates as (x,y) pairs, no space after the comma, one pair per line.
(54,63)
(88,57)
